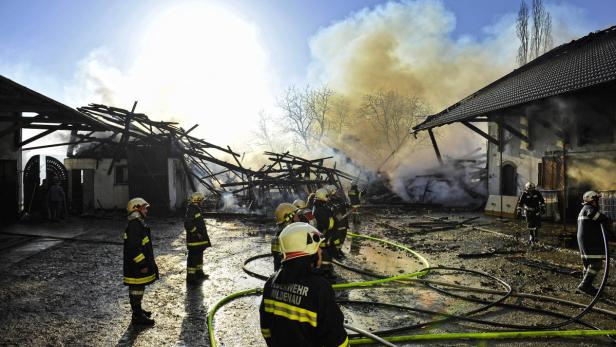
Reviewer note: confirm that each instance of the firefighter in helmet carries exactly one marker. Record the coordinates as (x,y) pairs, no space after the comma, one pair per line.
(325,221)
(532,205)
(140,267)
(285,214)
(197,239)
(355,196)
(340,208)
(298,305)
(590,240)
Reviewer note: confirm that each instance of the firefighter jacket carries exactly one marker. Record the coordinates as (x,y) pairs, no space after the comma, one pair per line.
(355,196)
(324,217)
(275,247)
(532,201)
(589,235)
(301,311)
(196,232)
(138,252)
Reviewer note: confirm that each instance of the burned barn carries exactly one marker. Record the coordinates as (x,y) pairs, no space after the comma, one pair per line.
(550,122)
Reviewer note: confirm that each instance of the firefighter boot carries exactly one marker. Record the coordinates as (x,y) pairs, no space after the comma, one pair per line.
(586,284)
(531,239)
(141,319)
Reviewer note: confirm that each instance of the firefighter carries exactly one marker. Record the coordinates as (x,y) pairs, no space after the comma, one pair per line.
(285,214)
(340,208)
(310,201)
(325,221)
(197,239)
(532,204)
(298,306)
(355,196)
(590,240)
(140,267)
(56,201)
(305,214)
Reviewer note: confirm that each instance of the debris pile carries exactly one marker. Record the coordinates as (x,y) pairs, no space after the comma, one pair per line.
(285,177)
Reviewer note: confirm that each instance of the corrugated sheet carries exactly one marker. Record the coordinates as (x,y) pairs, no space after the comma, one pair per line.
(582,63)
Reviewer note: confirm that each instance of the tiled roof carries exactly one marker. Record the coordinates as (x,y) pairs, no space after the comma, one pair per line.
(586,62)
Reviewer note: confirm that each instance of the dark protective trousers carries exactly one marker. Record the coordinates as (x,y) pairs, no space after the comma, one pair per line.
(194,263)
(135,295)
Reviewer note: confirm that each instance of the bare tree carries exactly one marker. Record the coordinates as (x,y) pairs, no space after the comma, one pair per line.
(522,33)
(265,132)
(393,115)
(339,115)
(548,41)
(318,106)
(541,30)
(296,117)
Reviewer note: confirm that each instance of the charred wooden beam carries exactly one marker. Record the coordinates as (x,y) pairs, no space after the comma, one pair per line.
(481,132)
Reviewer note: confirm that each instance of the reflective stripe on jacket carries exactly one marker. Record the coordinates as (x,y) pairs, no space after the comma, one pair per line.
(196,231)
(139,254)
(302,313)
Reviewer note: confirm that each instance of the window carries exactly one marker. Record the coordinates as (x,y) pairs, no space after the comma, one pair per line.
(121,174)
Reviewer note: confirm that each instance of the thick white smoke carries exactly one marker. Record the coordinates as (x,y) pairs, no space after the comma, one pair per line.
(408,47)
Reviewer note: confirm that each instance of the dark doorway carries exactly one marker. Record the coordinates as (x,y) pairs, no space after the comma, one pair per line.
(509,180)
(35,191)
(148,176)
(8,187)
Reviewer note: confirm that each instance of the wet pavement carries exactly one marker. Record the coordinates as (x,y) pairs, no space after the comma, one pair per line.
(63,286)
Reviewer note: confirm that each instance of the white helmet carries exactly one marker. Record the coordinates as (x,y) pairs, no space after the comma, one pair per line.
(590,195)
(299,203)
(197,197)
(299,240)
(529,186)
(331,189)
(321,194)
(135,204)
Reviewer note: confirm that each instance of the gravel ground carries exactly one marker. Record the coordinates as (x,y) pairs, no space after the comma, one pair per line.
(70,292)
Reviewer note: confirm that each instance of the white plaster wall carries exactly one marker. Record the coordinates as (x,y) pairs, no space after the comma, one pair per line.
(171,164)
(107,194)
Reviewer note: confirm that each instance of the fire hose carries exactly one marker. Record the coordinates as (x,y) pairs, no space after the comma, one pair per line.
(539,330)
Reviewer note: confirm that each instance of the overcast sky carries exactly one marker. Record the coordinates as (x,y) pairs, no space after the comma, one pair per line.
(214,52)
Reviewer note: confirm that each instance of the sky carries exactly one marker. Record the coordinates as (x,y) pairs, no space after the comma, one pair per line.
(221,63)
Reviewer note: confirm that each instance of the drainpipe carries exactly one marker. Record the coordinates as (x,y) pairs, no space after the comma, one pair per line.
(565,197)
(500,165)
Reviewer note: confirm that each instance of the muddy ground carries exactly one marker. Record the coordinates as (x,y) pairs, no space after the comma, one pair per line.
(66,288)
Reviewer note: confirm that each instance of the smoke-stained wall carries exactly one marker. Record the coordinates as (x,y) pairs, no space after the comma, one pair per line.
(572,144)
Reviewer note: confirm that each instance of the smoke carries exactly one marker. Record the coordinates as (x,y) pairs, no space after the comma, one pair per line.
(408,47)
(594,173)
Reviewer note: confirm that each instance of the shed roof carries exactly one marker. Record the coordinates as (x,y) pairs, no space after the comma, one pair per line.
(582,63)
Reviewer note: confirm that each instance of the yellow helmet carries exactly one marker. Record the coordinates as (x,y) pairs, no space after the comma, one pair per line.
(299,203)
(299,240)
(197,197)
(284,212)
(135,204)
(321,194)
